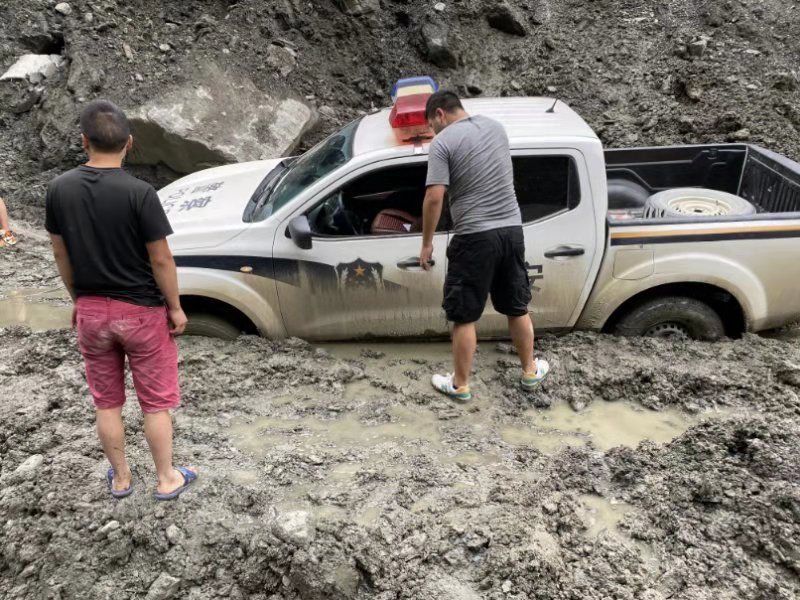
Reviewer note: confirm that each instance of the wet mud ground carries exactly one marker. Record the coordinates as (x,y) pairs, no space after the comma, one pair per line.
(642,469)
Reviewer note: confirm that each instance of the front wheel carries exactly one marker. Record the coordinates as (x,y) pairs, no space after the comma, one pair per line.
(674,316)
(208,325)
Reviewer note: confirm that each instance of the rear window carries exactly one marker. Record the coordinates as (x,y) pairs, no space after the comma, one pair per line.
(545,185)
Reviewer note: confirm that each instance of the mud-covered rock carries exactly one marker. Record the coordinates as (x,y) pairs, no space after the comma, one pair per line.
(163,588)
(501,15)
(436,45)
(357,7)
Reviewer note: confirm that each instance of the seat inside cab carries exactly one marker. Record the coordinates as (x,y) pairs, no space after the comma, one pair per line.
(384,202)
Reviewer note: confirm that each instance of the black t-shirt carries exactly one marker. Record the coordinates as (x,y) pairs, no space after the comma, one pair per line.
(106,217)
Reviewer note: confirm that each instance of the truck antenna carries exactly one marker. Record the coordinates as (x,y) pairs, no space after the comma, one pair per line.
(552,109)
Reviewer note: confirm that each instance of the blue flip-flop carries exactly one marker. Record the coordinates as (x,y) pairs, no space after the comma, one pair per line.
(117,493)
(189,478)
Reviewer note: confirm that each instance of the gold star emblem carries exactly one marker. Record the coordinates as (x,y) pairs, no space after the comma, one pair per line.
(360,271)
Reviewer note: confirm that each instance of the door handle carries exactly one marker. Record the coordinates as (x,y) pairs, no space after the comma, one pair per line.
(563,251)
(413,263)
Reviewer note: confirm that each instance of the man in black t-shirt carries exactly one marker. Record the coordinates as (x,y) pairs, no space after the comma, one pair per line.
(109,232)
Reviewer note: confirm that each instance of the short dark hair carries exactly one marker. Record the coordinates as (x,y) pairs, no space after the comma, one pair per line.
(445,99)
(105,125)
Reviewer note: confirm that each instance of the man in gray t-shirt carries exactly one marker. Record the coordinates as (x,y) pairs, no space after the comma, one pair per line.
(470,158)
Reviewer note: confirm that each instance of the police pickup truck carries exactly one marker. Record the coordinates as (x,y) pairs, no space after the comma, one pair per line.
(700,241)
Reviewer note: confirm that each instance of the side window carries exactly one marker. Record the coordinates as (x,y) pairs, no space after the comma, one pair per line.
(545,185)
(384,202)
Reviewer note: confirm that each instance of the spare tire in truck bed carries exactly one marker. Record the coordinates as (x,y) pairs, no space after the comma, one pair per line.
(695,202)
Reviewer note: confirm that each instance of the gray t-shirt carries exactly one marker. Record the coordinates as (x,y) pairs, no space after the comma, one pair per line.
(472,158)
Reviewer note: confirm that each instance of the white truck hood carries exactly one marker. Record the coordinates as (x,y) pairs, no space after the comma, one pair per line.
(205,208)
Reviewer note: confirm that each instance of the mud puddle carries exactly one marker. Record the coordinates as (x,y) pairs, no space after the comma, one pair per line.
(408,366)
(39,309)
(407,425)
(604,424)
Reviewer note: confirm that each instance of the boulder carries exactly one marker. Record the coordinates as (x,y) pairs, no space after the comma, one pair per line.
(281,59)
(215,119)
(357,7)
(442,586)
(57,123)
(163,588)
(437,49)
(503,17)
(34,67)
(293,527)
(64,8)
(86,76)
(31,464)
(18,96)
(21,86)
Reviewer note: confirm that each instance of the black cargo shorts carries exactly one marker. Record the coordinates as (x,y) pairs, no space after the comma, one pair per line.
(480,264)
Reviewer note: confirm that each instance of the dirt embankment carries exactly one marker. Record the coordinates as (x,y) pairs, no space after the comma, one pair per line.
(338,474)
(642,73)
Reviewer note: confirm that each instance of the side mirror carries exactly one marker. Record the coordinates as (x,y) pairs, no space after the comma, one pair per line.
(300,232)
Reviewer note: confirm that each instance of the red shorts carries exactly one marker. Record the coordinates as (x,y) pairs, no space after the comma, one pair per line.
(108,331)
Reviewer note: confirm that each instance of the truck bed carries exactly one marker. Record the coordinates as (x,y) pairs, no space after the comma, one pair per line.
(767,179)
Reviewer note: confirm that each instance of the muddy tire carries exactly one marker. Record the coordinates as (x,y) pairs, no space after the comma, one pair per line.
(208,325)
(673,316)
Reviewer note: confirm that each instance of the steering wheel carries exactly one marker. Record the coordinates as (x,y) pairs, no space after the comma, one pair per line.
(336,218)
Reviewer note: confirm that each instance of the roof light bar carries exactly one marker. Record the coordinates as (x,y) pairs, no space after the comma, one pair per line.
(410,97)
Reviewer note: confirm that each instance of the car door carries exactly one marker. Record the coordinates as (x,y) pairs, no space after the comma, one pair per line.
(357,286)
(560,229)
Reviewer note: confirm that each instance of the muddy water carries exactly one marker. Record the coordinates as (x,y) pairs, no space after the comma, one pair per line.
(605,424)
(407,426)
(473,435)
(41,310)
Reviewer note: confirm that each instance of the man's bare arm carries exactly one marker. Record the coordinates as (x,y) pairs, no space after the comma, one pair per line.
(431,213)
(166,276)
(63,263)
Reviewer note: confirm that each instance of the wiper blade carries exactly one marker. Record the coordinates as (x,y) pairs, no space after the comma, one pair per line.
(269,183)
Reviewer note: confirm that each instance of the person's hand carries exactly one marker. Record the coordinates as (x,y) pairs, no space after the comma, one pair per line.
(177,321)
(425,256)
(74,317)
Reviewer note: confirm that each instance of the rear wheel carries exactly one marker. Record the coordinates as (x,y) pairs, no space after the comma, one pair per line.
(672,317)
(208,325)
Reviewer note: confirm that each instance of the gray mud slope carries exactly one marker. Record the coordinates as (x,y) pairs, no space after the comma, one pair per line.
(29,265)
(347,478)
(642,73)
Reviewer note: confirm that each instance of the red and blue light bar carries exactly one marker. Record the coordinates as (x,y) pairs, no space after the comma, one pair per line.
(410,95)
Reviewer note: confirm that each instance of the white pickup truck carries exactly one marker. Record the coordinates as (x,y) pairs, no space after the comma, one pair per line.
(325,247)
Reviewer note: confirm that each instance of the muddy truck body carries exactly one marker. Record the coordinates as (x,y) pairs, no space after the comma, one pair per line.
(700,241)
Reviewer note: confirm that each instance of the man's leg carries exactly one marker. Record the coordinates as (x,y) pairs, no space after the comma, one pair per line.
(158,432)
(511,296)
(105,375)
(153,357)
(521,329)
(111,432)
(464,344)
(470,267)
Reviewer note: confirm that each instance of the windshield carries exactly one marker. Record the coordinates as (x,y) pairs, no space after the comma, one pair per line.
(322,159)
